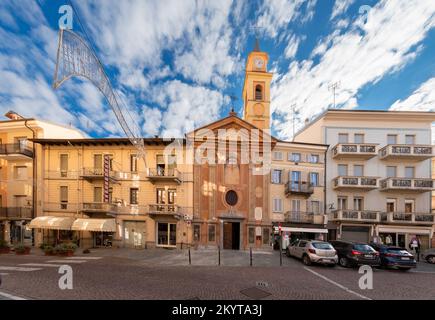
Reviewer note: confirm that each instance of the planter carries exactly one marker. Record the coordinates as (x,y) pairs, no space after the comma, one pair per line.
(5,250)
(50,254)
(23,252)
(66,254)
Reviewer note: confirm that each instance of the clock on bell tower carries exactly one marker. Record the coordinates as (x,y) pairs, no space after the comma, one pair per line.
(256,89)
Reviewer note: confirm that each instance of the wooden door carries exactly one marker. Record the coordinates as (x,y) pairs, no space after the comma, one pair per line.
(228,235)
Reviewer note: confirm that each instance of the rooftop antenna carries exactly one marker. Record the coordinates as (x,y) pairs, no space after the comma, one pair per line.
(333,87)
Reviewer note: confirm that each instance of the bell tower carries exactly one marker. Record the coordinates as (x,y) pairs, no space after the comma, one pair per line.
(256,89)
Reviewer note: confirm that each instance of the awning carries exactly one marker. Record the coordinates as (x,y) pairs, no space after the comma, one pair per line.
(99,225)
(52,223)
(409,230)
(306,230)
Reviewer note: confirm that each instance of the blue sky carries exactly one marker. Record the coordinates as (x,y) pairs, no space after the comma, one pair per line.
(177,63)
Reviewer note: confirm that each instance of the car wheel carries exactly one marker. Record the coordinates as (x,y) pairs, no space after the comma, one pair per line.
(343,262)
(430,259)
(306,260)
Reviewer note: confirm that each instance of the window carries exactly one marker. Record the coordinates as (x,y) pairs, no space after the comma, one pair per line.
(358,204)
(342,203)
(160,165)
(391,205)
(295,157)
(98,162)
(172,193)
(196,232)
(342,170)
(21,141)
(343,138)
(266,236)
(314,179)
(251,235)
(315,207)
(98,194)
(161,198)
(295,177)
(20,172)
(391,138)
(172,162)
(133,195)
(296,205)
(276,176)
(211,233)
(231,198)
(391,171)
(358,138)
(409,172)
(358,170)
(302,243)
(314,158)
(258,92)
(409,205)
(410,139)
(133,163)
(277,155)
(277,205)
(63,197)
(63,165)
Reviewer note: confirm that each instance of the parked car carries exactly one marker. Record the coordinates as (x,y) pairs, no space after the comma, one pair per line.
(429,255)
(395,257)
(311,251)
(352,254)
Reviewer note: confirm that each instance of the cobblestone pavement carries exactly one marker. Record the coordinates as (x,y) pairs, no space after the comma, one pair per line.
(165,274)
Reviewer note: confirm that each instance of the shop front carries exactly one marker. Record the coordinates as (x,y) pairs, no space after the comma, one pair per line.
(52,230)
(95,232)
(291,234)
(402,236)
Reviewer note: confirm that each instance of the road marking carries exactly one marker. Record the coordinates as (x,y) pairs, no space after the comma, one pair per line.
(19,269)
(41,265)
(66,261)
(83,258)
(337,284)
(10,296)
(4,274)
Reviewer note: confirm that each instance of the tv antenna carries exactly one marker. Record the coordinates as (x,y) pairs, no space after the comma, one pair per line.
(333,87)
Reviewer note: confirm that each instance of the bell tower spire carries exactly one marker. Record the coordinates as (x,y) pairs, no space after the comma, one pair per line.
(256,88)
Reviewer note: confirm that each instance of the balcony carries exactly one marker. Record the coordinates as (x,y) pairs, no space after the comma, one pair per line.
(61,175)
(362,151)
(408,218)
(61,207)
(100,207)
(301,188)
(164,175)
(406,185)
(16,213)
(15,151)
(92,174)
(299,217)
(356,183)
(355,216)
(406,152)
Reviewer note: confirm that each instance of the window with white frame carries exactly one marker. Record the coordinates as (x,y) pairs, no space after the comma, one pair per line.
(295,157)
(276,176)
(277,205)
(313,158)
(277,155)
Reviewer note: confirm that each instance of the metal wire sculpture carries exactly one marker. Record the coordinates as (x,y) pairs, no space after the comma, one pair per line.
(76,59)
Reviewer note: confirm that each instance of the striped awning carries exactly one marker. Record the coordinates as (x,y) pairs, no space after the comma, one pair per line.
(98,225)
(52,223)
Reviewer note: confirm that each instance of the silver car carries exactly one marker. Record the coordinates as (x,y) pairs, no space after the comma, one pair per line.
(312,251)
(429,255)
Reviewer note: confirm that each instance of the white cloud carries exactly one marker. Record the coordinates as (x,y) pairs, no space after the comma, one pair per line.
(340,7)
(422,99)
(362,55)
(153,118)
(292,47)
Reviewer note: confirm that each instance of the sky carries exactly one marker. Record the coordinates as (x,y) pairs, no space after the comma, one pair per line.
(180,64)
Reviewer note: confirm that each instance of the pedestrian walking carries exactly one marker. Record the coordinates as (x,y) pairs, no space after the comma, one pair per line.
(415,245)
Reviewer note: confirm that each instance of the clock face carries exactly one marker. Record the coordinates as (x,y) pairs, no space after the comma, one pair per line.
(259,63)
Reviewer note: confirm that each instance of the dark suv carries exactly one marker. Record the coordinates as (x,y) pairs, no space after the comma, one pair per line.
(352,254)
(395,257)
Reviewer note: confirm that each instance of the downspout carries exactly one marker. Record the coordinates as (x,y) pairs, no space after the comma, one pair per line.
(34,178)
(324,185)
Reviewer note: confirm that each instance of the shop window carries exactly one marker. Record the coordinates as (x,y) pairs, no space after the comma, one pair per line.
(266,236)
(251,235)
(196,232)
(166,234)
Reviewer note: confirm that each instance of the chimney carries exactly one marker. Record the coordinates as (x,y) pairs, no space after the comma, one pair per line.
(12,115)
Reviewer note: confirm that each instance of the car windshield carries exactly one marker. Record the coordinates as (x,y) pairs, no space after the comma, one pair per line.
(363,248)
(322,245)
(397,251)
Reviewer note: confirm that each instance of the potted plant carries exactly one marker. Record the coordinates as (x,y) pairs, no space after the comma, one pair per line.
(49,250)
(4,247)
(66,249)
(22,249)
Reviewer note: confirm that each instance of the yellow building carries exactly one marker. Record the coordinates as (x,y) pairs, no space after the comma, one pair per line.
(17,156)
(98,192)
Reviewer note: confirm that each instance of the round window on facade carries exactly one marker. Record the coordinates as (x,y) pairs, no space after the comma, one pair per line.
(231,198)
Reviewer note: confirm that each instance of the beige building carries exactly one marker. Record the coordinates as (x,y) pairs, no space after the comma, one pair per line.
(98,192)
(17,156)
(378,174)
(297,190)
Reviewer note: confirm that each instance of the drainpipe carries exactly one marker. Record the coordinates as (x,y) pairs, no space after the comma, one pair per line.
(34,178)
(324,184)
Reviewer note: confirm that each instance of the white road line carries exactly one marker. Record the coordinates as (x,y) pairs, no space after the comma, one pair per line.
(10,296)
(18,269)
(337,284)
(83,258)
(4,274)
(41,265)
(66,261)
